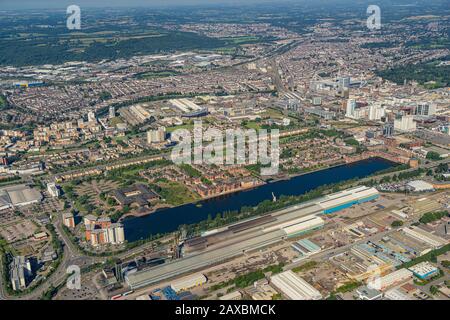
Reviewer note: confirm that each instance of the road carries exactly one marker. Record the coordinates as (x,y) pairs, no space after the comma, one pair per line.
(426,288)
(70,257)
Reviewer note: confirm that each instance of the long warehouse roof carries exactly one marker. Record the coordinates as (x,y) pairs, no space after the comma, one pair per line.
(287,224)
(346,197)
(295,287)
(203,259)
(315,222)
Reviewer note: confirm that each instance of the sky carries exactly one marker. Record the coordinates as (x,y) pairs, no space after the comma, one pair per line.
(31,4)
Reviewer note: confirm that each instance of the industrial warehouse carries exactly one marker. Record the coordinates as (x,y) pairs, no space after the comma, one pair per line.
(222,244)
(18,196)
(390,279)
(294,287)
(345,199)
(189,108)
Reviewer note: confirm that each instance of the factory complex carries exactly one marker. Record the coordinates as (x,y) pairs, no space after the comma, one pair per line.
(295,287)
(228,242)
(391,279)
(189,108)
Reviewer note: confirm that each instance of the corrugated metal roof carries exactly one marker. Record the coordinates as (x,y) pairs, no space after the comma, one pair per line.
(346,197)
(295,287)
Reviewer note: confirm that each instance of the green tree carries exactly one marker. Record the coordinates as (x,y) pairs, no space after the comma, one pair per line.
(396,223)
(431,155)
(434,290)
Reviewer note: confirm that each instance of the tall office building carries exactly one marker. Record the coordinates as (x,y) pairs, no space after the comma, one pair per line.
(4,161)
(376,112)
(405,124)
(351,107)
(20,271)
(156,136)
(287,104)
(361,113)
(424,109)
(355,113)
(92,117)
(317,101)
(53,190)
(344,82)
(116,233)
(293,104)
(112,112)
(388,130)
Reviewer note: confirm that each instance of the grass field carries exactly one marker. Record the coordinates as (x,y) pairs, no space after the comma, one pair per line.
(176,193)
(253,125)
(2,101)
(157,74)
(241,40)
(188,126)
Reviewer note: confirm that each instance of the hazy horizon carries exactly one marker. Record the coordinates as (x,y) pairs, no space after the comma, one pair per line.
(54,4)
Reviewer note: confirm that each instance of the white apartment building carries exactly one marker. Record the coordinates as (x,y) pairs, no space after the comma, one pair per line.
(405,124)
(53,190)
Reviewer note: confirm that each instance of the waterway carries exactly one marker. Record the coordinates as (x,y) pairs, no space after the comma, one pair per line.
(167,220)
